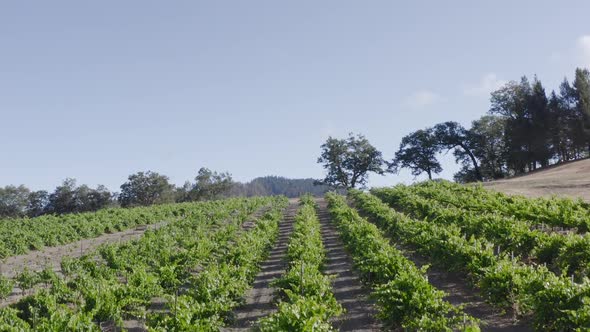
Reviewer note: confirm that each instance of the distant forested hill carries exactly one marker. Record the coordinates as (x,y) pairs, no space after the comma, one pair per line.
(276,185)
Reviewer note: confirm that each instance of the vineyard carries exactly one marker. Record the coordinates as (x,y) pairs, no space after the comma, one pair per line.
(368,261)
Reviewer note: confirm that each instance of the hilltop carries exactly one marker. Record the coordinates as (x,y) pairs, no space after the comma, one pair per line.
(571,179)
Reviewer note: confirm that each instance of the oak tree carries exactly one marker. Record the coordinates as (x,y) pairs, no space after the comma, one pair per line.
(348,161)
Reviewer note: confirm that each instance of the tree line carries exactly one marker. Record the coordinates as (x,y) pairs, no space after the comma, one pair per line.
(143,189)
(525,129)
(277,185)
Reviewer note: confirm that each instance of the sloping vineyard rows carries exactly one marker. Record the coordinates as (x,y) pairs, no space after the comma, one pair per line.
(18,236)
(196,268)
(563,253)
(561,212)
(403,294)
(306,301)
(554,303)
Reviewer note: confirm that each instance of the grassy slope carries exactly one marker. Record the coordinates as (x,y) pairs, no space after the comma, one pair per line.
(570,179)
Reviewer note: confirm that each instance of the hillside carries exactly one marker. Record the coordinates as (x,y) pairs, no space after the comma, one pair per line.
(277,185)
(570,179)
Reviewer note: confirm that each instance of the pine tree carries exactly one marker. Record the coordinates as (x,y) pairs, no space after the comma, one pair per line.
(582,93)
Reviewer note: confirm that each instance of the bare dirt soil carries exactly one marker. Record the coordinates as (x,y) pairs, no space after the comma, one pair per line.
(461,293)
(567,180)
(346,286)
(259,302)
(160,304)
(51,257)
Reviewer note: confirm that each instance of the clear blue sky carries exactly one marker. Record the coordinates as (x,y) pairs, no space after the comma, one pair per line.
(97,90)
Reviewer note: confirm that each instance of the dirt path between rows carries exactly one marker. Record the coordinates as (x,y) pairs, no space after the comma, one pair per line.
(347,288)
(51,256)
(461,293)
(159,304)
(259,302)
